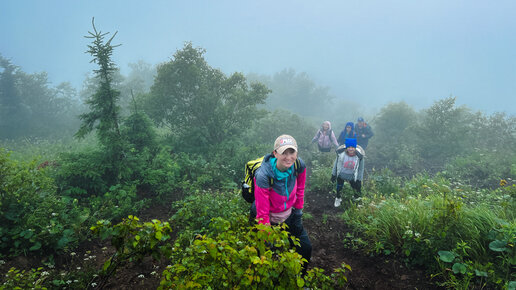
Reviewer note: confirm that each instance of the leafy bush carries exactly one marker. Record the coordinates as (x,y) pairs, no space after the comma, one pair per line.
(195,212)
(234,255)
(320,179)
(133,241)
(82,174)
(32,217)
(118,202)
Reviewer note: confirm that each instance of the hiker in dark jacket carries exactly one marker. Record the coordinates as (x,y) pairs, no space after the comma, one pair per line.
(283,201)
(348,132)
(325,137)
(364,132)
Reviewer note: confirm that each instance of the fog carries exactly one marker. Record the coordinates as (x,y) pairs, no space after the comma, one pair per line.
(371,52)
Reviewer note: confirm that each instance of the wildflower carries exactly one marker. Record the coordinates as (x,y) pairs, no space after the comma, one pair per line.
(503,183)
(78,268)
(153,273)
(76,281)
(93,284)
(73,254)
(141,276)
(69,282)
(45,273)
(54,214)
(2,262)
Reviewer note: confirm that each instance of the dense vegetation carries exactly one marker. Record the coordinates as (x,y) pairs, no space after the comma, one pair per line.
(439,189)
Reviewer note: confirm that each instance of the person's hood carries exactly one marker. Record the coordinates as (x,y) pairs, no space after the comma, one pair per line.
(351,125)
(326,122)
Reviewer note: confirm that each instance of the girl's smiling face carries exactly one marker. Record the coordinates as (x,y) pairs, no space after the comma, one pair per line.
(285,160)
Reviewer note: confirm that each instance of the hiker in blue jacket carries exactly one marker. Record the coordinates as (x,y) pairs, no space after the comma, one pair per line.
(348,132)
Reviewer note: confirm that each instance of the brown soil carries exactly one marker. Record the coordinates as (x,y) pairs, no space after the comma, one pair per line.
(326,231)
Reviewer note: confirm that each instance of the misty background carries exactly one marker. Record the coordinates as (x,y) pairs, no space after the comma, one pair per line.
(368,52)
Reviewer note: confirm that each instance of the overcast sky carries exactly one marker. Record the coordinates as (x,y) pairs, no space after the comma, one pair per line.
(373,51)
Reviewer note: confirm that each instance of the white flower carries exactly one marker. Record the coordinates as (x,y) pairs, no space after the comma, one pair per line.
(45,273)
(153,273)
(141,276)
(73,254)
(2,262)
(93,284)
(69,282)
(54,214)
(78,268)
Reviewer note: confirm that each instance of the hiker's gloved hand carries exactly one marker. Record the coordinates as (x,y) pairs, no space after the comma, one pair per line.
(333,178)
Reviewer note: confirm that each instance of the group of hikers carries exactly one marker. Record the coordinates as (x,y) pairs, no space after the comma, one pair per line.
(279,182)
(350,148)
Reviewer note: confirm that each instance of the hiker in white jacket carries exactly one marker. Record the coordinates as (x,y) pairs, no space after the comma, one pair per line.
(348,166)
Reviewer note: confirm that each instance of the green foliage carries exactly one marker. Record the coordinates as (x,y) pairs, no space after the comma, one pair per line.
(139,132)
(384,182)
(195,212)
(480,169)
(21,279)
(429,215)
(237,256)
(82,174)
(32,217)
(503,243)
(320,178)
(444,131)
(133,240)
(201,106)
(119,201)
(393,145)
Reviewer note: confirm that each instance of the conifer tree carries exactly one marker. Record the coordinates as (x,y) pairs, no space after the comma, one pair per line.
(104,111)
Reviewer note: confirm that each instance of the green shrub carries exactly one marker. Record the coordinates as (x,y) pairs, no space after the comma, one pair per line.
(235,255)
(82,174)
(32,217)
(119,201)
(133,241)
(320,179)
(195,212)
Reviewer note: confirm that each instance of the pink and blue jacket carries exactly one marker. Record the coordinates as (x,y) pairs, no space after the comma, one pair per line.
(279,196)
